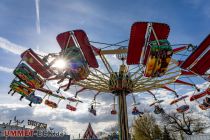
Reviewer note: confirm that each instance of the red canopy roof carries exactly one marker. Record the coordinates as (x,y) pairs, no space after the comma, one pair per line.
(89,133)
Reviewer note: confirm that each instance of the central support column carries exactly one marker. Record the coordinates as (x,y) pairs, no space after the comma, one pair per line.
(121,85)
(123,117)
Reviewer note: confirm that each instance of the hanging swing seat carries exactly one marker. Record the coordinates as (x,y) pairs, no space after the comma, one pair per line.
(92,111)
(178,99)
(204,107)
(113,112)
(206,104)
(50,104)
(158,110)
(156,102)
(34,99)
(135,111)
(183,108)
(207,101)
(70,107)
(72,99)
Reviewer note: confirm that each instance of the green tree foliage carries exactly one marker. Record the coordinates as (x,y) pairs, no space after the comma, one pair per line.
(145,128)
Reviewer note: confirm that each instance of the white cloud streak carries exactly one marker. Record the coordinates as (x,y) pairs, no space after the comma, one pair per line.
(6,69)
(11,47)
(38,29)
(14,48)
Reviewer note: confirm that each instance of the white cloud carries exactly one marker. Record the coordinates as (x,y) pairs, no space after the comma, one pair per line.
(11,47)
(37,16)
(14,48)
(6,69)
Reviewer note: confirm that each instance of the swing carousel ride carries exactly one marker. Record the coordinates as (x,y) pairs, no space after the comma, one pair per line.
(148,62)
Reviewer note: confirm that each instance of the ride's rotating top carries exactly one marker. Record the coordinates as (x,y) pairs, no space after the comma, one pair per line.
(121,81)
(149,51)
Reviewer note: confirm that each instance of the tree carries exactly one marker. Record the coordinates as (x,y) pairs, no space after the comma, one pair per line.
(184,123)
(166,134)
(145,128)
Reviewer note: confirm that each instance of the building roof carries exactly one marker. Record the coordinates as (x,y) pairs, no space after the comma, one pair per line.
(89,133)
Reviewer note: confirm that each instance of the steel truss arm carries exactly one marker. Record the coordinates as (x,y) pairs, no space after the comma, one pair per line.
(106,63)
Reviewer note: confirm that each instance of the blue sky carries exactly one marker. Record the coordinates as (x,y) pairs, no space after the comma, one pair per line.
(106,21)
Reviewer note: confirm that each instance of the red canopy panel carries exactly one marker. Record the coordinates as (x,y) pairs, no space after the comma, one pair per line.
(136,43)
(162,31)
(196,62)
(183,72)
(202,65)
(169,89)
(65,40)
(183,82)
(36,63)
(137,39)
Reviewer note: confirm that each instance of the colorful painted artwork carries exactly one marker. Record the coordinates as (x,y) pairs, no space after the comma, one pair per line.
(20,88)
(28,76)
(158,59)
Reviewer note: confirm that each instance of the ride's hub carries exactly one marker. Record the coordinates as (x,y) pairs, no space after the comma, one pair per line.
(121,81)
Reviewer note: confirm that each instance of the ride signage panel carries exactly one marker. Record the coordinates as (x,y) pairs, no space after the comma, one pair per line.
(37,124)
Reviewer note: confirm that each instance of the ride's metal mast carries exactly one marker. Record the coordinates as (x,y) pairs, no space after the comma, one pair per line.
(122,85)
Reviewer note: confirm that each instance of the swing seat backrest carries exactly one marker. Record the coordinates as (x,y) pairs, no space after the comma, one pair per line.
(178,99)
